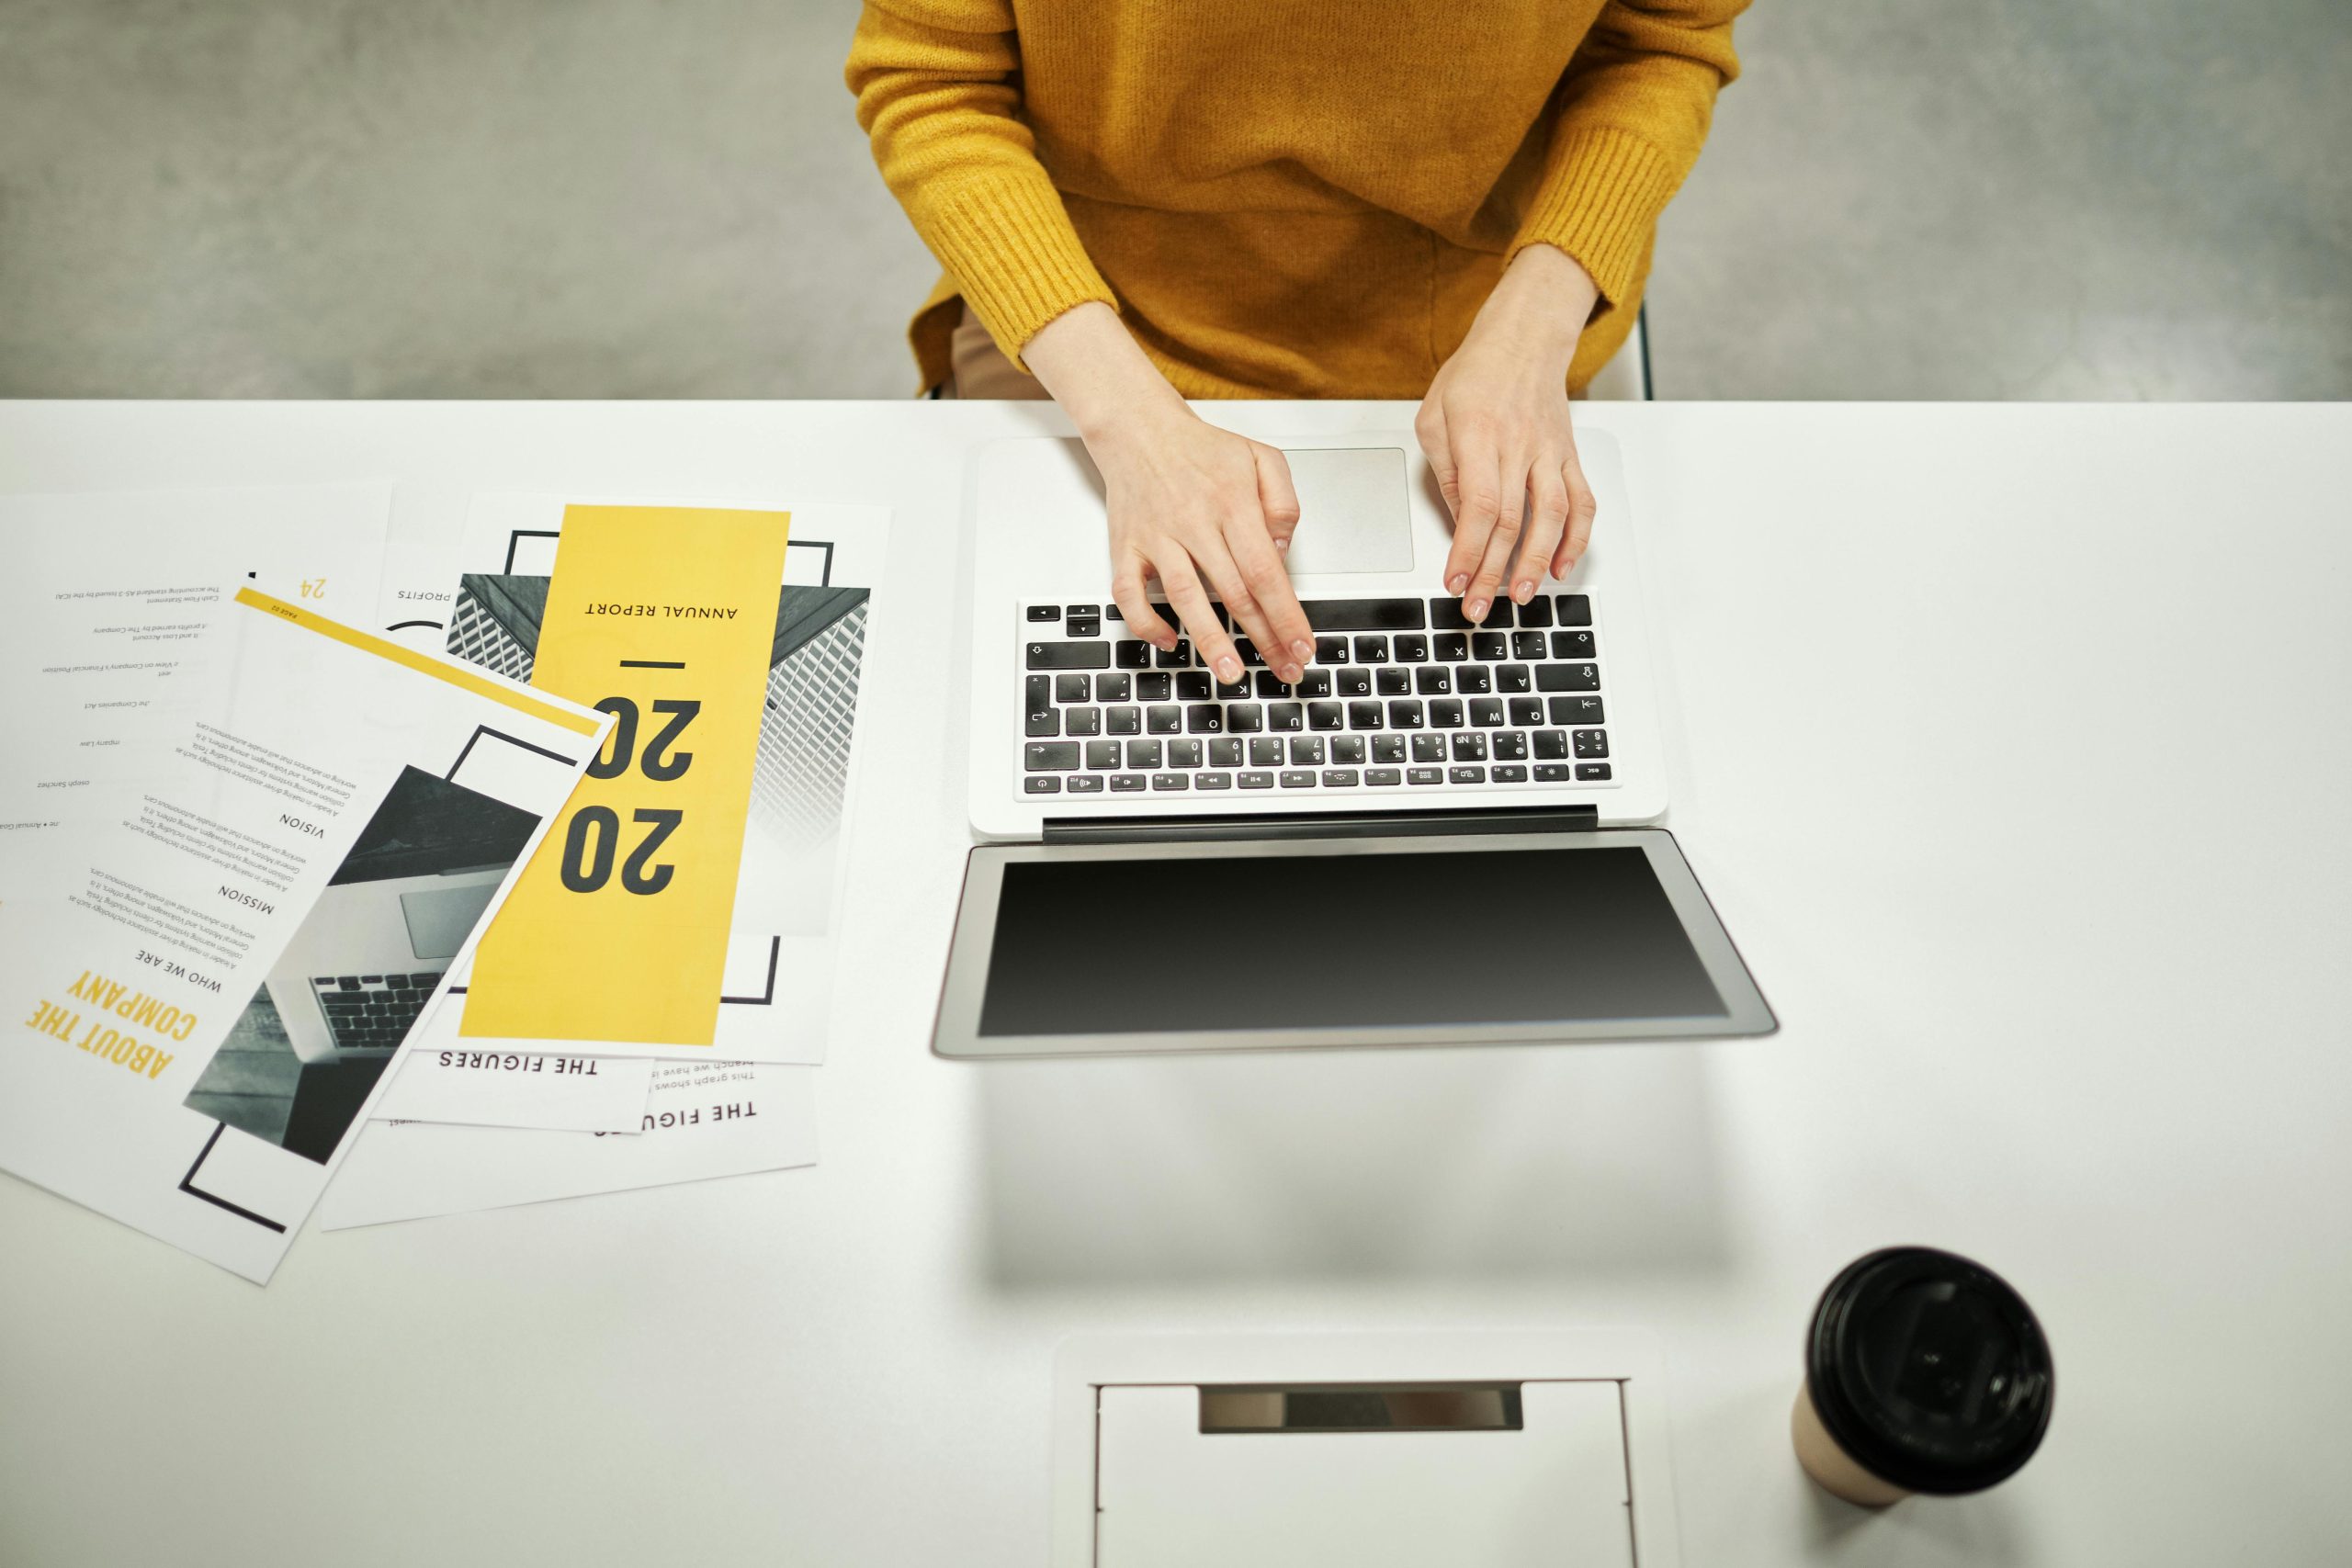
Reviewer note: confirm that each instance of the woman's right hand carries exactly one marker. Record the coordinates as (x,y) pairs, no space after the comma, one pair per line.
(1201,509)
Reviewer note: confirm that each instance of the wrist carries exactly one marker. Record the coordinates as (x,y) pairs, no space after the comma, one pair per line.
(1541,304)
(1091,365)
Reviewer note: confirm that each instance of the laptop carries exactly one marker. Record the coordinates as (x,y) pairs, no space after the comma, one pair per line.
(1453,827)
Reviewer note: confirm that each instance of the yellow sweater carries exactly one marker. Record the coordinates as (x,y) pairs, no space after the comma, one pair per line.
(1283,197)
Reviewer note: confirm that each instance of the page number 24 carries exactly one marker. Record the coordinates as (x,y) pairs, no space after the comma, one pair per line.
(592,841)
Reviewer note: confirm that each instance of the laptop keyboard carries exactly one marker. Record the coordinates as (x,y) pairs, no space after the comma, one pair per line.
(1403,694)
(372,1012)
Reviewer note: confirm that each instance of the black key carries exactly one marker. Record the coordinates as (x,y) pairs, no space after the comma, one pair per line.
(1086,784)
(1528,646)
(1177,658)
(1433,680)
(1446,615)
(1471,678)
(1184,753)
(1592,772)
(1113,613)
(1354,682)
(1572,645)
(1285,716)
(1515,773)
(1364,716)
(1125,783)
(1297,780)
(399,982)
(427,980)
(1083,721)
(1510,678)
(1123,721)
(1045,784)
(1536,612)
(1084,610)
(1228,691)
(1378,776)
(1213,781)
(1552,772)
(1172,781)
(1245,718)
(1551,744)
(1575,609)
(1568,711)
(1247,651)
(1424,775)
(1305,750)
(1338,778)
(1083,625)
(1449,648)
(1049,756)
(1391,681)
(1527,712)
(1044,611)
(1204,718)
(1046,723)
(1271,686)
(1567,678)
(1130,654)
(1410,649)
(1225,753)
(1428,748)
(1487,713)
(1193,686)
(1330,650)
(1371,649)
(1038,691)
(1592,744)
(1445,713)
(1387,748)
(1145,754)
(1466,775)
(1114,688)
(1257,780)
(1493,647)
(1469,746)
(1363,615)
(1102,755)
(1157,687)
(1347,749)
(1510,746)
(1266,752)
(1405,713)
(1165,720)
(1070,656)
(1315,684)
(1325,715)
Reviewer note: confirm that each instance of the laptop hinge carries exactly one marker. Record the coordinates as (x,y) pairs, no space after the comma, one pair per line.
(1319,825)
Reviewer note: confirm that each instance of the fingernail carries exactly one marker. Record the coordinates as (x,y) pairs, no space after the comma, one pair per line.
(1290,674)
(1303,648)
(1457,582)
(1476,609)
(1228,670)
(1525,591)
(1282,547)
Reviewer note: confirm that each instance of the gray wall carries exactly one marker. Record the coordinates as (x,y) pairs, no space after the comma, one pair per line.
(1905,198)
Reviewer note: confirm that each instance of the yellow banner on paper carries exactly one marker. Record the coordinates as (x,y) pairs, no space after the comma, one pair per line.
(664,617)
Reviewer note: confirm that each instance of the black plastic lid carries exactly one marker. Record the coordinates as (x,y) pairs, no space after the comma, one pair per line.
(1930,1370)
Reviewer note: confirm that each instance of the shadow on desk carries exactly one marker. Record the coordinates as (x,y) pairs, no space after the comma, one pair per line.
(1333,1165)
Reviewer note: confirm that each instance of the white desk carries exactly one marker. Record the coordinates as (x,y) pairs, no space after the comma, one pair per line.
(2012,743)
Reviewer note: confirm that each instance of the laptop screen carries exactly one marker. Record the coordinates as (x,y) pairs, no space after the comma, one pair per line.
(1448,938)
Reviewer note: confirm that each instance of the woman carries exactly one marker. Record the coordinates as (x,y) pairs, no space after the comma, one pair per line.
(1143,201)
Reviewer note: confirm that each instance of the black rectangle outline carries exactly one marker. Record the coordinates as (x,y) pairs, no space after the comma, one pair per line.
(482,729)
(187,1185)
(766,999)
(514,536)
(825,575)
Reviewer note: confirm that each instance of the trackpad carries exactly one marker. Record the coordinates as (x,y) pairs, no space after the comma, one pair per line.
(1351,510)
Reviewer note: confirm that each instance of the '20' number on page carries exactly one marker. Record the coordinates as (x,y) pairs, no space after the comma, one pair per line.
(591,843)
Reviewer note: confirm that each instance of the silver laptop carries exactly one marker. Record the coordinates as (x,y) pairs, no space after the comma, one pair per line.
(368,957)
(1459,818)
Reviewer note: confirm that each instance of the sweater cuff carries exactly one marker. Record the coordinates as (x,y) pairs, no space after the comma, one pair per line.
(1009,243)
(1600,201)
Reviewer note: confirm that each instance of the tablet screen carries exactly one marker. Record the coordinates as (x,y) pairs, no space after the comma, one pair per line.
(1452,938)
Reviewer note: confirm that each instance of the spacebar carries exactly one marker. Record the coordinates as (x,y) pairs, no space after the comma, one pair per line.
(1364,614)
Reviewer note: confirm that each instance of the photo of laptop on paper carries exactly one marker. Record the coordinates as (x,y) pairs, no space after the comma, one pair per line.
(1460,815)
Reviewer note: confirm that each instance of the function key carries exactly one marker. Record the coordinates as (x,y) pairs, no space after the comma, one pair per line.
(1215,781)
(1574,609)
(1592,772)
(1297,779)
(1536,612)
(1044,611)
(1338,778)
(1512,773)
(1172,781)
(1086,784)
(1424,775)
(1364,614)
(1070,656)
(1125,783)
(1552,772)
(1129,654)
(1592,744)
(1466,775)
(1375,777)
(1371,649)
(1256,779)
(1045,785)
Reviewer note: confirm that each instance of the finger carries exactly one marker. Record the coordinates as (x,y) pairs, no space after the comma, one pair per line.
(1135,604)
(1283,632)
(1547,521)
(1584,507)
(1430,426)
(1276,496)
(1190,600)
(1249,616)
(1478,484)
(1502,540)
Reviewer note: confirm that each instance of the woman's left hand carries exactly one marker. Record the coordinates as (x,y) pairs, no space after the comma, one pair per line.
(1495,428)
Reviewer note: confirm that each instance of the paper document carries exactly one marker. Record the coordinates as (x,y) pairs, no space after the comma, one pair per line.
(204,999)
(701,1120)
(509,1088)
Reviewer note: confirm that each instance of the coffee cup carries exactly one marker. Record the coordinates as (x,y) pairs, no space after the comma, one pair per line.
(1924,1372)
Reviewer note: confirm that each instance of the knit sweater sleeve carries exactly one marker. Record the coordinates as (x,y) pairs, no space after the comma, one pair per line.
(938,92)
(1631,113)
